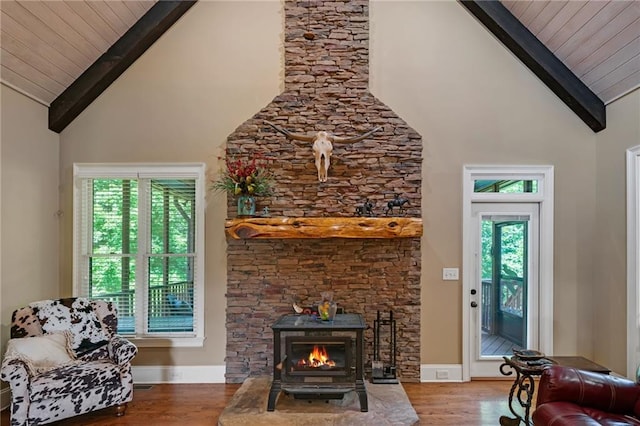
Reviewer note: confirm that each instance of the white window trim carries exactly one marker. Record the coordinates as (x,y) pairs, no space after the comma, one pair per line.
(633,254)
(544,175)
(142,170)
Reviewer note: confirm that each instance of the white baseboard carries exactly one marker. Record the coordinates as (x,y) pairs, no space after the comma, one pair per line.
(178,374)
(441,373)
(215,373)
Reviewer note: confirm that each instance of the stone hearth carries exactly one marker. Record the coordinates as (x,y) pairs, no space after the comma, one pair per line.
(388,405)
(326,88)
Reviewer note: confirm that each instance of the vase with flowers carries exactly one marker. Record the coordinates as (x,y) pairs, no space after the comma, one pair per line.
(245,178)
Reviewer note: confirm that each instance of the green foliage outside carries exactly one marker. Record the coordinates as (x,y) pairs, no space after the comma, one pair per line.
(512,250)
(512,240)
(115,232)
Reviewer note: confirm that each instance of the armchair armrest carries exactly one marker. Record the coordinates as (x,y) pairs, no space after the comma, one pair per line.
(13,368)
(121,350)
(16,372)
(588,389)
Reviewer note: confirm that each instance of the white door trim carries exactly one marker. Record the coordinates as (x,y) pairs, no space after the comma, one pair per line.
(544,196)
(633,253)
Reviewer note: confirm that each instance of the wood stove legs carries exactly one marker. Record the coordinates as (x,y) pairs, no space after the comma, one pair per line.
(360,389)
(362,394)
(276,387)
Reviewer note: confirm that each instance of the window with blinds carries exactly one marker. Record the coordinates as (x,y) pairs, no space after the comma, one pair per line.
(139,244)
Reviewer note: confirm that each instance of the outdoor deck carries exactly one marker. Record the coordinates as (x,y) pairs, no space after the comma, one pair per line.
(496,345)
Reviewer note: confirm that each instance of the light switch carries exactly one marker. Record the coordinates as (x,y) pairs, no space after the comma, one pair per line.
(450,274)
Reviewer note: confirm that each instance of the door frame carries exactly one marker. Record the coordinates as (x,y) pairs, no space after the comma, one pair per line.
(544,197)
(633,268)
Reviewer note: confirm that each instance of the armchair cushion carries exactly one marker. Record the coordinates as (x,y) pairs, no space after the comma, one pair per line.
(75,315)
(568,396)
(67,380)
(41,353)
(562,413)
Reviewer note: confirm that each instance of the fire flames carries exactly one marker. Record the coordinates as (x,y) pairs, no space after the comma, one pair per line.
(317,358)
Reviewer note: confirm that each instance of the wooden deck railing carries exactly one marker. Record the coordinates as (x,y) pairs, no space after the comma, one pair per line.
(165,300)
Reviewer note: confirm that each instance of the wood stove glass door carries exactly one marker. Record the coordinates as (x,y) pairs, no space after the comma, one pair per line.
(504,297)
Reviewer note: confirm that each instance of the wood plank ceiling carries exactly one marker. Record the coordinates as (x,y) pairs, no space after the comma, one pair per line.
(47,44)
(599,41)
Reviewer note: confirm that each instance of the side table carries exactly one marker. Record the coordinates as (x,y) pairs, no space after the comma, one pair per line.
(525,384)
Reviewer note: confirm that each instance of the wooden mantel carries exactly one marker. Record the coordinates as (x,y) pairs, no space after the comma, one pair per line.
(323,227)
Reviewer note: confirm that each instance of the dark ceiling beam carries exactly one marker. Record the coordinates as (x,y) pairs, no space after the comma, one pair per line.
(535,55)
(106,69)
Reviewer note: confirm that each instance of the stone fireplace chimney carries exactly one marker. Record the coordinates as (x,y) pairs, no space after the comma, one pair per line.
(326,49)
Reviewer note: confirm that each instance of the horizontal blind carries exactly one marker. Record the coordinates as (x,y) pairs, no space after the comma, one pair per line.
(110,245)
(171,307)
(138,242)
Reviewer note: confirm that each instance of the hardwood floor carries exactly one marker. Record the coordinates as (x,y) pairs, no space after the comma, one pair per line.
(438,404)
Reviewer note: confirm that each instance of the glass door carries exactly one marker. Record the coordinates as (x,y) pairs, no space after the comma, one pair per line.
(503,297)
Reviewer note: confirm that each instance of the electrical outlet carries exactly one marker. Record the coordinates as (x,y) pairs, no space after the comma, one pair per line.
(450,274)
(442,374)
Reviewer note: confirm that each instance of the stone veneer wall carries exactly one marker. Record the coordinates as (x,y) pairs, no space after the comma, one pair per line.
(326,88)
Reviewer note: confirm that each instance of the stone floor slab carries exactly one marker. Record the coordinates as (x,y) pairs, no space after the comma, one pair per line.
(388,405)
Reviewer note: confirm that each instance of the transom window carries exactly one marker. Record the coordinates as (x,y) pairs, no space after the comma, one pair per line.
(505,186)
(139,243)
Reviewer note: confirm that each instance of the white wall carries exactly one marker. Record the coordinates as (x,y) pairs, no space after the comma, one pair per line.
(29,199)
(610,278)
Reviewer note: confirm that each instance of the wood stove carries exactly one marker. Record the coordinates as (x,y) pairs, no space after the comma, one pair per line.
(318,359)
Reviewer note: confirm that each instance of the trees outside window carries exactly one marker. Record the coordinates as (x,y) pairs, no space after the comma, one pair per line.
(139,244)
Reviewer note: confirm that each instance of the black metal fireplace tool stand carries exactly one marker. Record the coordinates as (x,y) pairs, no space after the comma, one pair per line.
(381,373)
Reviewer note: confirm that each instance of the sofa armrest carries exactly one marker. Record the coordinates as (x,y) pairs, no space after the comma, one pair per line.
(588,389)
(121,350)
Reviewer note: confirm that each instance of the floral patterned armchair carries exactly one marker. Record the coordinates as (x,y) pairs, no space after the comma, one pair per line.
(65,359)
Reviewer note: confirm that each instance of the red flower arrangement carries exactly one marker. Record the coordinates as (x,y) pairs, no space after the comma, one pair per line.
(245,177)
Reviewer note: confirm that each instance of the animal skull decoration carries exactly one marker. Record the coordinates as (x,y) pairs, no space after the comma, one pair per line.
(322,146)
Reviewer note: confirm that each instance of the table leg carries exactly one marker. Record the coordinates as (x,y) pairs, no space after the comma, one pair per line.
(525,385)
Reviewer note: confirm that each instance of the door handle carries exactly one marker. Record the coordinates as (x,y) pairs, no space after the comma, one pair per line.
(474,304)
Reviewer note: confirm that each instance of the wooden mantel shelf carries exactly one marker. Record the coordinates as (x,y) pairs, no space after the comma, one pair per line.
(323,227)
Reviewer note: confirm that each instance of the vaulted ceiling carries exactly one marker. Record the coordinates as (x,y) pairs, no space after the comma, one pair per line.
(47,45)
(599,41)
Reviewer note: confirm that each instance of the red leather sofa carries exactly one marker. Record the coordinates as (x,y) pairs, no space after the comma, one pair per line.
(572,397)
